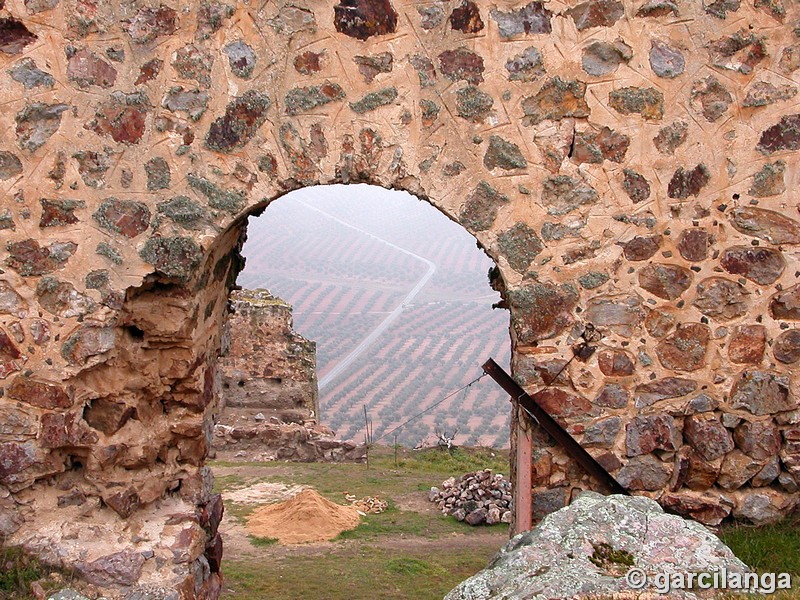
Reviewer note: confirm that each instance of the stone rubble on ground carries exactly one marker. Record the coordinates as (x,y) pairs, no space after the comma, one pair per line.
(586,549)
(476,498)
(367,505)
(274,440)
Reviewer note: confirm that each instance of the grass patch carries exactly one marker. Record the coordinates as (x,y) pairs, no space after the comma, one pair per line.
(413,566)
(262,541)
(371,573)
(771,548)
(394,522)
(435,460)
(359,565)
(17,572)
(415,470)
(224,483)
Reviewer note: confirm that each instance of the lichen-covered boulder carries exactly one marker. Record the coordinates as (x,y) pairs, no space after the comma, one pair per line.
(586,549)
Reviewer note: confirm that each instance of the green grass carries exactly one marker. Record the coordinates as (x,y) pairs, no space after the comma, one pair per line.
(415,470)
(17,572)
(262,541)
(394,522)
(771,548)
(229,482)
(365,573)
(414,566)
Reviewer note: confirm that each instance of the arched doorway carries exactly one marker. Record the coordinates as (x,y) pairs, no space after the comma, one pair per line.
(397,298)
(545,134)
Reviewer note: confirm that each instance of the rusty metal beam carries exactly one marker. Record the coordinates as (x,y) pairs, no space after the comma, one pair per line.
(558,433)
(523,502)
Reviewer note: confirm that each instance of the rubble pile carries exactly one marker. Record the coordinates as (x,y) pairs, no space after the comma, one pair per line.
(275,440)
(477,498)
(367,505)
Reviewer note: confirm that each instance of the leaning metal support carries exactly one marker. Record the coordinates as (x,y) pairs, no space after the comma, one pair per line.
(558,433)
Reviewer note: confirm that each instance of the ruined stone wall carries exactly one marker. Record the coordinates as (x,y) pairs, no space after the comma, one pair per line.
(627,164)
(267,368)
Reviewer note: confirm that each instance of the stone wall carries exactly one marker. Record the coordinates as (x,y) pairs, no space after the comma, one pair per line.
(269,401)
(267,367)
(626,164)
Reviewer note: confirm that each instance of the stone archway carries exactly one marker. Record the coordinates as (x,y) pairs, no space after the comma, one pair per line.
(625,164)
(396,299)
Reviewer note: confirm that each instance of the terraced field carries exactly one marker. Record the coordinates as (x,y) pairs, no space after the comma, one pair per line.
(347,256)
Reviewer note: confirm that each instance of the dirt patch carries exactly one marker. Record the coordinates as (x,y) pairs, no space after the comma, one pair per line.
(263,493)
(307,517)
(416,502)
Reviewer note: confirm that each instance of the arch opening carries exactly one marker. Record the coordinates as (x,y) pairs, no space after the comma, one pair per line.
(395,295)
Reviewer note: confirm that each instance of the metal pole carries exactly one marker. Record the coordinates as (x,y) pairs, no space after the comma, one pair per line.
(558,433)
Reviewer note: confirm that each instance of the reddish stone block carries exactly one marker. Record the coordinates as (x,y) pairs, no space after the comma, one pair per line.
(760,265)
(706,434)
(39,394)
(667,282)
(685,350)
(644,434)
(747,344)
(615,363)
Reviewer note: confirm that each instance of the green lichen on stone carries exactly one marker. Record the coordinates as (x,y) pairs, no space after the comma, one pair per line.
(473,104)
(268,165)
(454,168)
(182,210)
(769,181)
(176,257)
(541,309)
(7,220)
(243,116)
(259,297)
(96,280)
(104,249)
(648,102)
(132,99)
(480,209)
(126,217)
(228,200)
(563,194)
(430,110)
(607,557)
(592,280)
(558,231)
(46,285)
(503,154)
(59,212)
(520,245)
(374,100)
(644,220)
(304,99)
(158,174)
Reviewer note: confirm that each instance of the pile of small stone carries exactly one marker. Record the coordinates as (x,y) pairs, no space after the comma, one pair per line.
(367,505)
(476,498)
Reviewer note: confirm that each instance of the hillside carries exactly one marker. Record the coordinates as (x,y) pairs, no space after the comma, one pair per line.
(360,263)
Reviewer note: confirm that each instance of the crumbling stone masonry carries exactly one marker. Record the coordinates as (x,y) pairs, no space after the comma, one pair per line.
(267,367)
(269,401)
(626,164)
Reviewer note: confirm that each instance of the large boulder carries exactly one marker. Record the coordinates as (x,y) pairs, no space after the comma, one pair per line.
(586,549)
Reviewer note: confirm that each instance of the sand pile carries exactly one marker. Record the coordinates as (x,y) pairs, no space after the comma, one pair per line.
(308,517)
